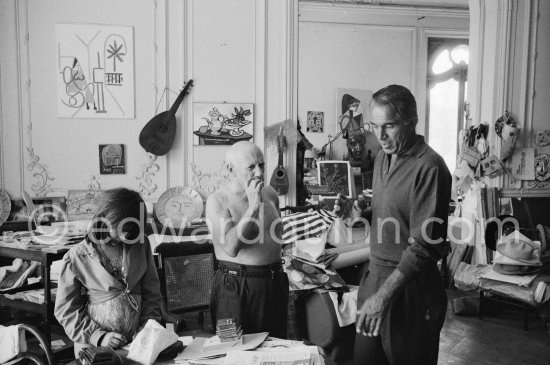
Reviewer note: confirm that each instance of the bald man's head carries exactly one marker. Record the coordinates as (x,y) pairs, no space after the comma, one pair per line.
(246,160)
(238,152)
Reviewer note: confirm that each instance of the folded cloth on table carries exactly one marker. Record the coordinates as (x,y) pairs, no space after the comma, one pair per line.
(522,280)
(17,278)
(299,226)
(346,308)
(12,342)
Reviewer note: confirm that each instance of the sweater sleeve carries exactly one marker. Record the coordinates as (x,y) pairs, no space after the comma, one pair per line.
(70,307)
(428,220)
(150,289)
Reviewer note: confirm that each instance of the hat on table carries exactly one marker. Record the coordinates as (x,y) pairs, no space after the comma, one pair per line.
(516,249)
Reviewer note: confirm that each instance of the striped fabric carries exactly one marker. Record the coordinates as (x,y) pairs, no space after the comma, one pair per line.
(299,226)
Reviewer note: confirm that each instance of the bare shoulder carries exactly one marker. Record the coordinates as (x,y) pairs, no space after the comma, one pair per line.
(217,202)
(270,194)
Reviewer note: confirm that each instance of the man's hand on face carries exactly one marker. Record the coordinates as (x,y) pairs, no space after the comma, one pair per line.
(254,191)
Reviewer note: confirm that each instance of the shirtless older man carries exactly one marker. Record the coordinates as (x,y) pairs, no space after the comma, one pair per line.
(244,219)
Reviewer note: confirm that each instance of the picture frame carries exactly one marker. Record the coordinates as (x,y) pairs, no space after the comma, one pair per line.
(112,159)
(95,71)
(337,176)
(81,204)
(352,109)
(315,122)
(222,123)
(51,208)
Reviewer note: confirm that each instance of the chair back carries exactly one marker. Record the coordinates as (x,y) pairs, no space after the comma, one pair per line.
(186,275)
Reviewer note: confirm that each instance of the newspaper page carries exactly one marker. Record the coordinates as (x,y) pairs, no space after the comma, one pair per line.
(301,355)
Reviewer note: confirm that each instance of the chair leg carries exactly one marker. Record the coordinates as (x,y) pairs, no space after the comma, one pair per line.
(525,317)
(480,307)
(201,319)
(179,322)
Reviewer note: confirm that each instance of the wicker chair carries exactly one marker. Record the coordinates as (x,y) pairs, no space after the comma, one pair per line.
(185,275)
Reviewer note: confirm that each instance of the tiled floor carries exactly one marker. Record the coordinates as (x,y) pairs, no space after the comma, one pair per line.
(498,338)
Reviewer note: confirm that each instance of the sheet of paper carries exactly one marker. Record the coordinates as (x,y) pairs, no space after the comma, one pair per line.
(299,355)
(150,341)
(186,340)
(194,350)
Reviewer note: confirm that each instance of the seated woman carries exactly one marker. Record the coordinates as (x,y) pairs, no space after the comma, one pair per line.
(108,286)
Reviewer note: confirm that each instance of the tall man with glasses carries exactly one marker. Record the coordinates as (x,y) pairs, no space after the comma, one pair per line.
(402,298)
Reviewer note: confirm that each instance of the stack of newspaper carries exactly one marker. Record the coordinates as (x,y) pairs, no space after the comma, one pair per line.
(257,349)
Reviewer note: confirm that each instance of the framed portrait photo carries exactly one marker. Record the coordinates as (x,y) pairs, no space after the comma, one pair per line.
(337,176)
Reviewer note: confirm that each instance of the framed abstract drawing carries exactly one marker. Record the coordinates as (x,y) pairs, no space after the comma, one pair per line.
(95,71)
(337,176)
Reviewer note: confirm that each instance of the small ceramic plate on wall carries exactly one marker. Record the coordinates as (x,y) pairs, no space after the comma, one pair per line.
(5,206)
(179,205)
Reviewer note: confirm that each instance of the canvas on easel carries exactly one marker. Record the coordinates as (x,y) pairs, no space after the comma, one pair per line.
(337,176)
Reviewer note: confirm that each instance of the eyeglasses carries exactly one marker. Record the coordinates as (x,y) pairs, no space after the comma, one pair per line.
(388,125)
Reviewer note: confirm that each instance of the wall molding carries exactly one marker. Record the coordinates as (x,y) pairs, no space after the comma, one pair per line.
(528,72)
(209,182)
(450,4)
(41,186)
(2,172)
(189,153)
(176,73)
(260,45)
(374,14)
(292,19)
(145,178)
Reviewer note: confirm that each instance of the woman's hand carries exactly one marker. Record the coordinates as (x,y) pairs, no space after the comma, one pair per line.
(114,340)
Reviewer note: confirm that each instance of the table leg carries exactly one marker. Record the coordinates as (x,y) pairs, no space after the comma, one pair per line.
(47,299)
(480,308)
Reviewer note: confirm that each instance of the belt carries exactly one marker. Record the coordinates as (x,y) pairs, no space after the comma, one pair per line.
(250,271)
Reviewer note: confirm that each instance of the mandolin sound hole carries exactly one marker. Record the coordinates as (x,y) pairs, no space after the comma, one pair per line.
(163,128)
(280,173)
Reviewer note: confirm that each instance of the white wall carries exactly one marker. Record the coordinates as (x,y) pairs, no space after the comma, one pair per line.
(236,51)
(510,71)
(227,47)
(364,47)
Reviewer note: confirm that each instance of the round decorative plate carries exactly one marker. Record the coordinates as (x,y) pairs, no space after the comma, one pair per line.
(5,206)
(179,205)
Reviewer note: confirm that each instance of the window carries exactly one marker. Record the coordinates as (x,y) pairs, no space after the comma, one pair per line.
(447,82)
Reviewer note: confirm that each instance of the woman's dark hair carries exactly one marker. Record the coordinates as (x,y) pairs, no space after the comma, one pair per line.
(400,100)
(117,206)
(347,101)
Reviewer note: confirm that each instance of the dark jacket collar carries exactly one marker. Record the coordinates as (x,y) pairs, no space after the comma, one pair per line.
(417,148)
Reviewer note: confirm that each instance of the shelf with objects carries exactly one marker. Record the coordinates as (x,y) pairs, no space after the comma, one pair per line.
(518,259)
(38,297)
(33,237)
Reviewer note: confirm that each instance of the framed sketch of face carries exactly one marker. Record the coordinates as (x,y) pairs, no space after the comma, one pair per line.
(337,176)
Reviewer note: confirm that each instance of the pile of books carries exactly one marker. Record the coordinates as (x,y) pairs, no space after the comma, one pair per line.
(228,331)
(228,334)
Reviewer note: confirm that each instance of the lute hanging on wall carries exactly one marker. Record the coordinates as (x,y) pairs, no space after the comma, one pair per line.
(279,179)
(158,134)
